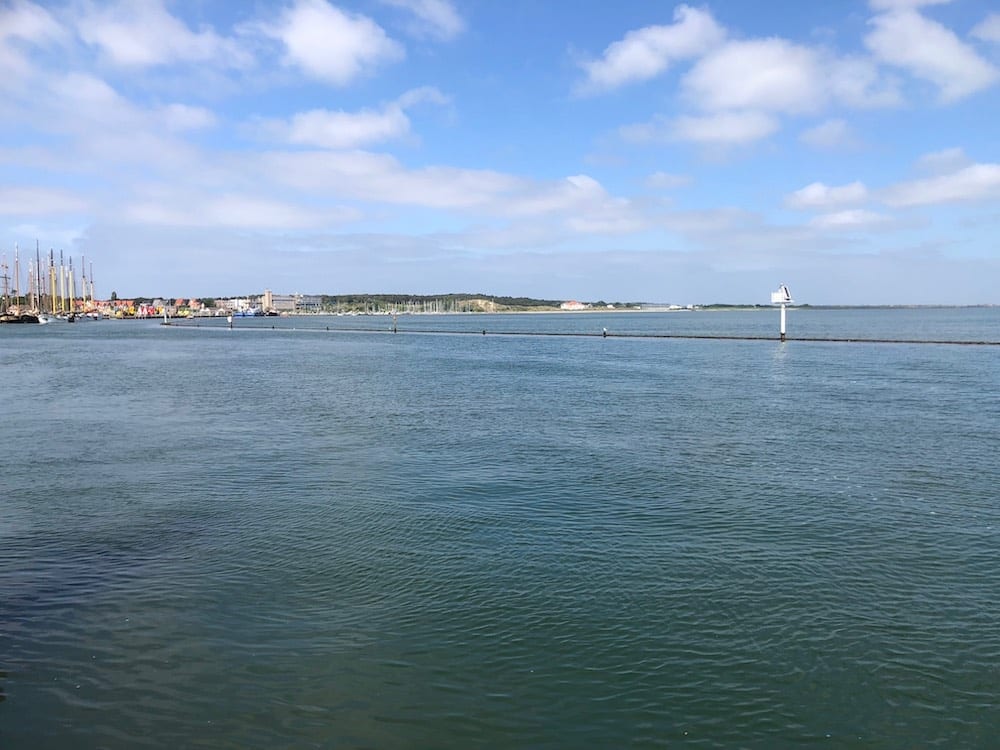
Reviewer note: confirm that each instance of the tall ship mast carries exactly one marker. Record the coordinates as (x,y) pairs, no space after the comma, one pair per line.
(62,283)
(17,277)
(71,300)
(38,278)
(52,281)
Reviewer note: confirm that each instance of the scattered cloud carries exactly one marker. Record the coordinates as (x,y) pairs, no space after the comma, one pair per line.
(338,129)
(24,24)
(437,19)
(849,220)
(946,161)
(647,52)
(232,211)
(326,129)
(422,95)
(771,75)
(973,183)
(30,23)
(381,178)
(724,129)
(904,4)
(330,44)
(831,134)
(926,49)
(143,34)
(857,82)
(820,196)
(36,201)
(989,29)
(179,117)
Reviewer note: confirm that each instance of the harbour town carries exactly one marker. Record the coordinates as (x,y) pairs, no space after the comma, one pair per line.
(54,288)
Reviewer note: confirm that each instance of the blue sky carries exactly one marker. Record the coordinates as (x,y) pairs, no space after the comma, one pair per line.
(634,150)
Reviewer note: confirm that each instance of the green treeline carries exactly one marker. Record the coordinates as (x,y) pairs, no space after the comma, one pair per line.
(432,303)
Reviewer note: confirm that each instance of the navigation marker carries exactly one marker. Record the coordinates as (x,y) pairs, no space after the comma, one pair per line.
(782,297)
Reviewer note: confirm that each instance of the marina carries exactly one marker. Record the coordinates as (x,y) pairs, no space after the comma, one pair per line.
(51,291)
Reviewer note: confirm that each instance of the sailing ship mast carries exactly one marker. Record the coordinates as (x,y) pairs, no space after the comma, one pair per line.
(72,289)
(17,276)
(6,280)
(38,278)
(52,280)
(62,283)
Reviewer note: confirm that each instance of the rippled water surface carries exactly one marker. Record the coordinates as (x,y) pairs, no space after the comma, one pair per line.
(306,538)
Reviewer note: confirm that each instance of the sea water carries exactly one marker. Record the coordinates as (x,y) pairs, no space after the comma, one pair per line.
(300,537)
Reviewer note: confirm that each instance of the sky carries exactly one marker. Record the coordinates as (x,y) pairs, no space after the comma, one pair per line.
(634,150)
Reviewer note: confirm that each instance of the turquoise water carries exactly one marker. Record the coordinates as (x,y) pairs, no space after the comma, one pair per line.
(301,538)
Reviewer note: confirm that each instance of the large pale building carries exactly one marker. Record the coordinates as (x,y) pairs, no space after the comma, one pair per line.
(277,302)
(289,303)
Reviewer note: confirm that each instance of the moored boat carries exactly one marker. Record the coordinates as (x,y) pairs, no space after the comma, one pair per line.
(19,318)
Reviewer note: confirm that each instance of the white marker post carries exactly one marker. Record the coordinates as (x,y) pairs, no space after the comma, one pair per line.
(782,297)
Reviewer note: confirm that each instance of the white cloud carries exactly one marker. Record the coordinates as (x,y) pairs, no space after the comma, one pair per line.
(142,34)
(820,196)
(904,4)
(381,178)
(973,183)
(330,44)
(179,117)
(724,129)
(857,82)
(422,95)
(338,129)
(32,201)
(435,18)
(232,210)
(321,127)
(830,134)
(945,161)
(579,201)
(767,74)
(847,220)
(611,218)
(23,23)
(930,51)
(89,96)
(989,29)
(100,130)
(645,53)
(30,23)
(574,191)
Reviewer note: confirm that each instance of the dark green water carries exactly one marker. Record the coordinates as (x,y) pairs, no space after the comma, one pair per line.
(301,538)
